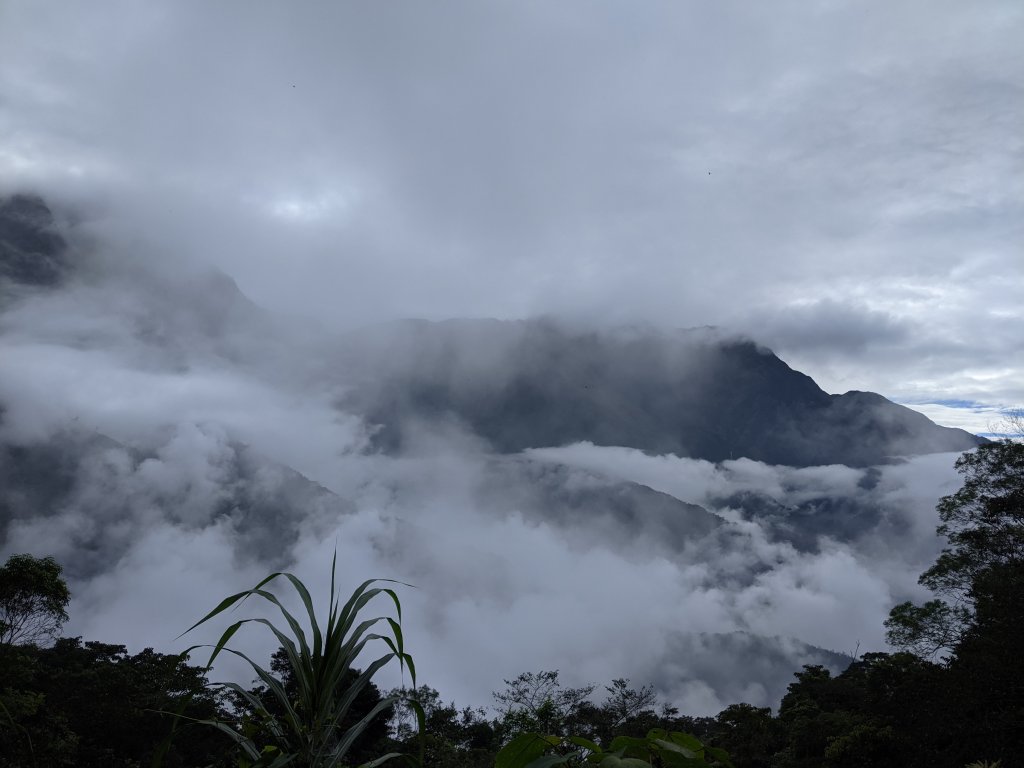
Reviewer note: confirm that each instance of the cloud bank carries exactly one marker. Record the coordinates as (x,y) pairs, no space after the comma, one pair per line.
(844,182)
(168,460)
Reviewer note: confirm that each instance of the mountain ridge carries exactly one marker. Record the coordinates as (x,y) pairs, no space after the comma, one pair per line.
(537,383)
(144,409)
(698,393)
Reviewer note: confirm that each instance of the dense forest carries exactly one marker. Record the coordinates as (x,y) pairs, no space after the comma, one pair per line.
(953,695)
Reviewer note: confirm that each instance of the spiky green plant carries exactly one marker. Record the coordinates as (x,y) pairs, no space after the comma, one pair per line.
(309,734)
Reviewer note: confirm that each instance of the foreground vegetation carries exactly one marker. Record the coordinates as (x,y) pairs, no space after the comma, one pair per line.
(952,695)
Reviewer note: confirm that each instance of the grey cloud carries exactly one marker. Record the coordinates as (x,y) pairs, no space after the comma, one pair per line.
(521,562)
(828,327)
(676,165)
(694,666)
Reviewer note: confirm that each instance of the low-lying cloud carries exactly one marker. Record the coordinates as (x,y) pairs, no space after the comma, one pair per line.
(163,469)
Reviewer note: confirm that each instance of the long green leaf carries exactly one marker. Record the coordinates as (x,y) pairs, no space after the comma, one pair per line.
(308,729)
(227,602)
(307,603)
(296,628)
(354,732)
(358,685)
(275,688)
(246,744)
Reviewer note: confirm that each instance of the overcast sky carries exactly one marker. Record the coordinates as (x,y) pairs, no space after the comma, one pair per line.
(843,180)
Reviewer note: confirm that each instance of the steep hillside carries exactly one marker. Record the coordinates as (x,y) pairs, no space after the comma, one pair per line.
(31,251)
(696,393)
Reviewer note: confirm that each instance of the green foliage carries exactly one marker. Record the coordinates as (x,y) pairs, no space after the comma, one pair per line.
(536,702)
(624,703)
(983,523)
(308,729)
(625,711)
(33,600)
(987,668)
(980,578)
(883,710)
(927,630)
(668,749)
(371,742)
(91,704)
(94,705)
(451,737)
(749,734)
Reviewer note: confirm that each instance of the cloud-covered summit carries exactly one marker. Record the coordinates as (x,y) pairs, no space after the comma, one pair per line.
(699,394)
(32,252)
(844,183)
(169,441)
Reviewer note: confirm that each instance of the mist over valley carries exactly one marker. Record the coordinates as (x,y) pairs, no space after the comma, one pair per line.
(678,507)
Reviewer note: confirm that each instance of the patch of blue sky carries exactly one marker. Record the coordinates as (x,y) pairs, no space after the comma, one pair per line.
(959,404)
(979,418)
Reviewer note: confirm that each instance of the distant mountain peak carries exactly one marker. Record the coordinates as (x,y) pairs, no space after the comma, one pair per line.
(32,252)
(712,396)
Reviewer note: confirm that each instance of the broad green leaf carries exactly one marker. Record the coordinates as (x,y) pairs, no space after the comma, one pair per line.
(686,740)
(579,741)
(630,746)
(669,746)
(680,760)
(547,761)
(720,755)
(614,761)
(521,751)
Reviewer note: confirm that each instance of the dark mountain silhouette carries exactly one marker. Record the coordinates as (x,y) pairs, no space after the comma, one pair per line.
(535,383)
(32,253)
(696,393)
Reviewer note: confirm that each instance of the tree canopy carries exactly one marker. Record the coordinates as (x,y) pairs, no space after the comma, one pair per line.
(33,600)
(983,523)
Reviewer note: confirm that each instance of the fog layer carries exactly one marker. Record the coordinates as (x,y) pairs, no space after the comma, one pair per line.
(170,442)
